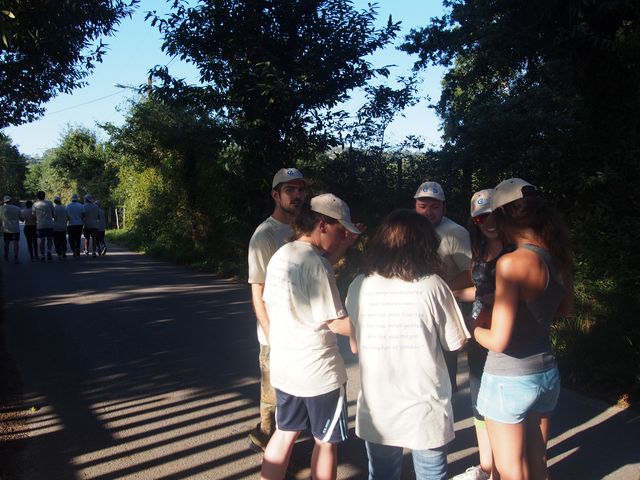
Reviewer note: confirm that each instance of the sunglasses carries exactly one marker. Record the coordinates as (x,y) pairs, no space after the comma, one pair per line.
(480,219)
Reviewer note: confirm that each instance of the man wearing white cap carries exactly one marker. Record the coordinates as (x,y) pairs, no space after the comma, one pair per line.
(288,190)
(10,217)
(306,313)
(60,227)
(454,250)
(75,217)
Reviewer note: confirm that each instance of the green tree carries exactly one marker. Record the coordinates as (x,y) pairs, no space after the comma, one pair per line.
(48,48)
(13,167)
(273,68)
(548,91)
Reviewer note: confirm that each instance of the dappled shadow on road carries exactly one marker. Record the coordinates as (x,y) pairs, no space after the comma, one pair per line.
(135,369)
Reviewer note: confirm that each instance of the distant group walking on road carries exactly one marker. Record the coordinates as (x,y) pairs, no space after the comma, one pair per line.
(48,224)
(406,317)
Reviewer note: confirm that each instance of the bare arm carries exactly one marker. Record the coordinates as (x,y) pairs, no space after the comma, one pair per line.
(342,326)
(257,289)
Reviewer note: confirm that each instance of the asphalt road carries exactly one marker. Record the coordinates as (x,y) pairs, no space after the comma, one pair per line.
(139,369)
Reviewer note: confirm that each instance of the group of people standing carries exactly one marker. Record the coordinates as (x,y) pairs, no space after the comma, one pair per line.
(47,224)
(402,317)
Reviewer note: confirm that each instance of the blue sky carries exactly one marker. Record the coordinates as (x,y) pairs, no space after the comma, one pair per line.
(136,47)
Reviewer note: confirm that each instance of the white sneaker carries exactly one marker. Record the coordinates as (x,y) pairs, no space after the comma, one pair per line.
(473,473)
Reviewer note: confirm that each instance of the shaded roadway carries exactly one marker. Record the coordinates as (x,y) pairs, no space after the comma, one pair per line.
(140,369)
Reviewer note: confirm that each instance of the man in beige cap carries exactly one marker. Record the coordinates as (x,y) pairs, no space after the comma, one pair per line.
(454,250)
(306,313)
(288,190)
(10,216)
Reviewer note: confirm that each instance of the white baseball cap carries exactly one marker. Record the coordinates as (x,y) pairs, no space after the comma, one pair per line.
(430,190)
(285,175)
(481,202)
(511,190)
(331,206)
(6,199)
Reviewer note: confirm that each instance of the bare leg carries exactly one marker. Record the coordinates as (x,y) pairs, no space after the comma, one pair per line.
(484,447)
(277,455)
(324,461)
(537,437)
(508,443)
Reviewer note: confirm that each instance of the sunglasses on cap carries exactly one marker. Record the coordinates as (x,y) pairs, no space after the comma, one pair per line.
(480,219)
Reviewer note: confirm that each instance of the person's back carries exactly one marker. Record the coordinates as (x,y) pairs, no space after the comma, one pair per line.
(10,216)
(28,216)
(454,249)
(75,213)
(60,220)
(91,215)
(43,210)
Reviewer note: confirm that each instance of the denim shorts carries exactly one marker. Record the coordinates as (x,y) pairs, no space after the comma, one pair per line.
(507,399)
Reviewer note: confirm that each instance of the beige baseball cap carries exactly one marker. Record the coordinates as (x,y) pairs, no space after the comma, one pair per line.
(481,202)
(285,175)
(430,190)
(511,190)
(331,206)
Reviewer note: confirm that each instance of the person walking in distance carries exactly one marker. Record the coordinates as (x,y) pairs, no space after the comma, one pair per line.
(305,313)
(91,219)
(44,212)
(10,216)
(288,191)
(521,383)
(75,217)
(100,231)
(30,230)
(60,228)
(454,250)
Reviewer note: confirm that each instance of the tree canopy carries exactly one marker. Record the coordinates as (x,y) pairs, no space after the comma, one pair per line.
(273,67)
(47,48)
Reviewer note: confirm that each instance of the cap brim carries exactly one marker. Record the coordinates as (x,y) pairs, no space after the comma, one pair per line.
(350,226)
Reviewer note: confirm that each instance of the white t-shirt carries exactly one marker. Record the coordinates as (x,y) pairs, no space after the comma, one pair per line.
(75,211)
(455,248)
(10,218)
(44,213)
(265,241)
(60,222)
(301,296)
(402,328)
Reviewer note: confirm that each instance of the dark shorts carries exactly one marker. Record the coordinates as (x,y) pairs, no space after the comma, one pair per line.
(325,415)
(11,237)
(44,232)
(90,232)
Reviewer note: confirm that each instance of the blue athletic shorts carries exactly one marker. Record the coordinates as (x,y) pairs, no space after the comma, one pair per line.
(507,399)
(325,415)
(44,232)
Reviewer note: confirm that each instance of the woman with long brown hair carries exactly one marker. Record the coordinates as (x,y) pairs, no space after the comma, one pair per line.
(405,316)
(521,384)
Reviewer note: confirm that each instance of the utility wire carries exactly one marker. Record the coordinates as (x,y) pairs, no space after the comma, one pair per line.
(83,104)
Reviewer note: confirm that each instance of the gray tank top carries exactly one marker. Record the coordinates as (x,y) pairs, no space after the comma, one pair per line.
(529,349)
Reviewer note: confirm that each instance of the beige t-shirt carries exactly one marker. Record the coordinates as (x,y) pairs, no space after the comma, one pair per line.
(10,218)
(43,210)
(455,248)
(402,328)
(301,296)
(265,241)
